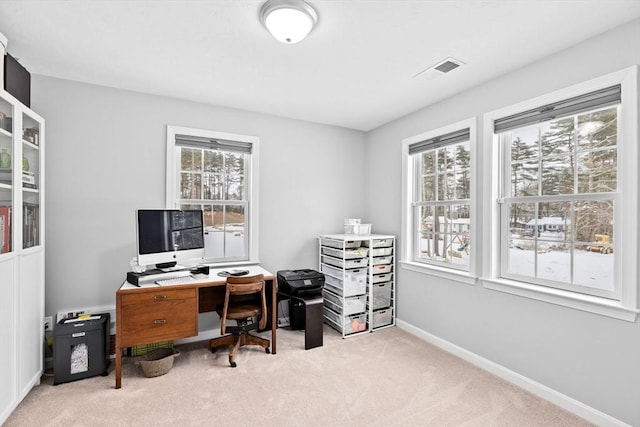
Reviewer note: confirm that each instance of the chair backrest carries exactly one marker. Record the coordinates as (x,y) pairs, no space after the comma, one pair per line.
(245,286)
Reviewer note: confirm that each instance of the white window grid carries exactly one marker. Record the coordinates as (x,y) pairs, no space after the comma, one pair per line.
(506,199)
(446,203)
(248,203)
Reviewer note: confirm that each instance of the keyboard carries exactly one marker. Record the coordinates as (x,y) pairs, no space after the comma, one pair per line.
(176,281)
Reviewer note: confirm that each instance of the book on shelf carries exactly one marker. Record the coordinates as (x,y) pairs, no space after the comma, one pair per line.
(2,219)
(5,229)
(29,179)
(30,224)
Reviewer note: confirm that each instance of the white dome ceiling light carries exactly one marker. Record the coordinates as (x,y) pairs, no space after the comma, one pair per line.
(288,20)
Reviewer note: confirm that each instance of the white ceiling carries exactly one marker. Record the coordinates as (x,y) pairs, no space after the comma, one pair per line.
(355,69)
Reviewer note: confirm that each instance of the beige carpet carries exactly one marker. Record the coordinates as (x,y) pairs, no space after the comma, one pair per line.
(387,378)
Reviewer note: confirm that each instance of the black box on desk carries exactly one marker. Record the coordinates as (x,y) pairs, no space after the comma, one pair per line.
(81,348)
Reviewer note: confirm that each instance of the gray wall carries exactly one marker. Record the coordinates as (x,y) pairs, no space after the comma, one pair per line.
(105,157)
(591,358)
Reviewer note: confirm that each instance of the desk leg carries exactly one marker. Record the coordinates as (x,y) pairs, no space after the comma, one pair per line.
(118,367)
(118,341)
(274,314)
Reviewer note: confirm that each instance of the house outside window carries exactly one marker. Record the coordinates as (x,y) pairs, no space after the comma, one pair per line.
(562,216)
(214,172)
(438,219)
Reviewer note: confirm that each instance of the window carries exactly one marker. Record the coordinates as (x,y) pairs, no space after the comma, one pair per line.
(558,205)
(215,172)
(438,198)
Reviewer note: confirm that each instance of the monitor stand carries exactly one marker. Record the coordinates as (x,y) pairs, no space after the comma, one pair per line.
(166,265)
(177,267)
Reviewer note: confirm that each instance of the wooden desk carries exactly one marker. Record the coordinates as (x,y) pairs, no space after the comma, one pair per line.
(154,313)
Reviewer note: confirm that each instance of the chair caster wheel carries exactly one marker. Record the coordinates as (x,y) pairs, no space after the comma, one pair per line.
(266,350)
(213,349)
(233,364)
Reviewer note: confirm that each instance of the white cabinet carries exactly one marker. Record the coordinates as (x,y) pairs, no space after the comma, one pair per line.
(21,251)
(359,291)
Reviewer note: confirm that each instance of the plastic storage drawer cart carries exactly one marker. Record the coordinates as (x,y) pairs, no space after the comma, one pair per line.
(359,291)
(81,348)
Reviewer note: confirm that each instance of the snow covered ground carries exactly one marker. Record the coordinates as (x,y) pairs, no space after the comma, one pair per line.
(222,244)
(590,269)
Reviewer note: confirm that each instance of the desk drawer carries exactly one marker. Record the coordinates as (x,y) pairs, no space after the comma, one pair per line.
(157,295)
(158,316)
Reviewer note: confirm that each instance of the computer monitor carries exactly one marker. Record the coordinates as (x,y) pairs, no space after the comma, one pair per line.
(166,237)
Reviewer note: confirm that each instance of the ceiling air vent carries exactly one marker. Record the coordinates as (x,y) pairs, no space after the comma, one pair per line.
(439,69)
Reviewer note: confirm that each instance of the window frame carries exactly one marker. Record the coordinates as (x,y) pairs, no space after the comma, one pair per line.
(251,185)
(410,175)
(622,306)
(504,139)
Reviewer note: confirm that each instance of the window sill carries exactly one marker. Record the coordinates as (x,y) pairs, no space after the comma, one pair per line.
(446,273)
(588,303)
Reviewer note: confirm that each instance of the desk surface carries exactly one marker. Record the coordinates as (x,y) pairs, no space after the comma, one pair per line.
(135,324)
(212,279)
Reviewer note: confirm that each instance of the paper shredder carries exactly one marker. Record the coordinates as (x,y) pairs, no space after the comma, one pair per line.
(81,348)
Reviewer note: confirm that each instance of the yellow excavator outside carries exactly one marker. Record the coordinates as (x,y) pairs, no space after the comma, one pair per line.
(600,240)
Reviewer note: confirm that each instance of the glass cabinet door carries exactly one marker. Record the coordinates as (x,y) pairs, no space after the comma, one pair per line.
(6,176)
(30,181)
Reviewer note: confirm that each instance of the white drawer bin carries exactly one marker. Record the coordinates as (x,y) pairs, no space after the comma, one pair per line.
(340,243)
(379,243)
(332,305)
(381,268)
(348,263)
(382,260)
(382,251)
(382,317)
(353,324)
(348,324)
(352,305)
(378,278)
(381,295)
(354,282)
(333,271)
(345,253)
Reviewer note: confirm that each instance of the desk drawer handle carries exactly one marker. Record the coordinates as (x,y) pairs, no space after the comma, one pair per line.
(160,321)
(160,297)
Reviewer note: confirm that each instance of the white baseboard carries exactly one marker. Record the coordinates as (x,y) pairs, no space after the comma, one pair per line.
(565,402)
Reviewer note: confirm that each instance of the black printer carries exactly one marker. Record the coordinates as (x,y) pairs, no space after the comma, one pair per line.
(300,283)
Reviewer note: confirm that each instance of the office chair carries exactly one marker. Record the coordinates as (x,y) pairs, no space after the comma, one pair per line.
(242,305)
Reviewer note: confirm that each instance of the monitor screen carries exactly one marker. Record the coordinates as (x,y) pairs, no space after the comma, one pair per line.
(169,236)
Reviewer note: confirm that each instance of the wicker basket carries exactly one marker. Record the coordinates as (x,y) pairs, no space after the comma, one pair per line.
(158,362)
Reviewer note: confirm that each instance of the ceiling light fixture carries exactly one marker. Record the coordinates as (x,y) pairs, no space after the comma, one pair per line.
(288,20)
